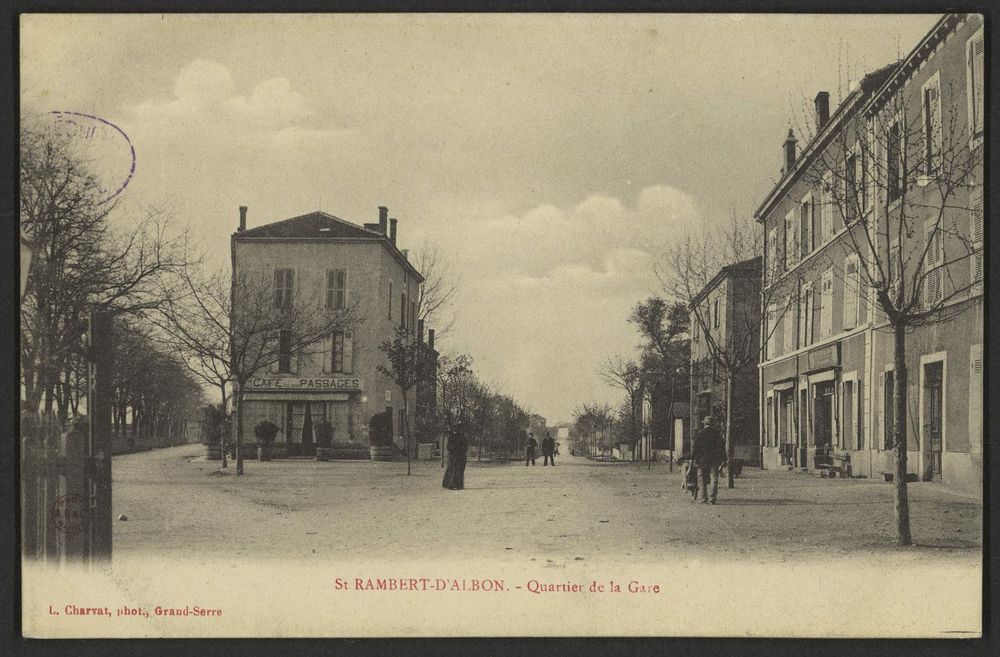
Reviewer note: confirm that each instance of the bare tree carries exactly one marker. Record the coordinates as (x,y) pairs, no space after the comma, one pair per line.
(234,327)
(690,268)
(903,176)
(626,375)
(437,291)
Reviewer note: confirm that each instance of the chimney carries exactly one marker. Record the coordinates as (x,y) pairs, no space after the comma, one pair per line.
(383,214)
(430,338)
(822,109)
(243,219)
(420,330)
(392,231)
(790,143)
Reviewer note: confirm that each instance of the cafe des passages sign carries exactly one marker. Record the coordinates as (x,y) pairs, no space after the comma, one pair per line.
(304,384)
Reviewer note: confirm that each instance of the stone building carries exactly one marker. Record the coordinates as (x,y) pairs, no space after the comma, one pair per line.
(725,330)
(826,379)
(320,256)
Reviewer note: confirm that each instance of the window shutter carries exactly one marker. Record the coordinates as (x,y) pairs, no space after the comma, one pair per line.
(976,237)
(327,354)
(976,399)
(293,362)
(348,352)
(826,306)
(974,67)
(772,251)
(851,292)
(881,405)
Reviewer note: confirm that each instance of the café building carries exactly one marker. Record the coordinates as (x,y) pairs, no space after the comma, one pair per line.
(320,257)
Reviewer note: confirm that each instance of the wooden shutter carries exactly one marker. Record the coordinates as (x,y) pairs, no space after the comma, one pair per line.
(327,354)
(932,265)
(772,252)
(826,305)
(348,352)
(851,292)
(976,398)
(974,69)
(976,237)
(881,405)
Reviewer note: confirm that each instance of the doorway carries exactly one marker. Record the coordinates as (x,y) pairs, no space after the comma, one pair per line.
(933,419)
(823,400)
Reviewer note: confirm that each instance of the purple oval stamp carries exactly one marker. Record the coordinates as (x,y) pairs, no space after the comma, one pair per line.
(71,514)
(103,146)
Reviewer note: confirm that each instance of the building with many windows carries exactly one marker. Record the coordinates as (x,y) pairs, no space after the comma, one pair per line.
(725,328)
(885,199)
(325,259)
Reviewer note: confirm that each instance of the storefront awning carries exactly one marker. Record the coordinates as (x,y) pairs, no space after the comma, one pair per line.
(296,396)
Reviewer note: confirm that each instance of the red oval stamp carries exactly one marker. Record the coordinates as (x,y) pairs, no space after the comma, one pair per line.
(71,513)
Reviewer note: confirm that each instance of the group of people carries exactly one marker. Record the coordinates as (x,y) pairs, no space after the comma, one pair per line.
(549,450)
(458,448)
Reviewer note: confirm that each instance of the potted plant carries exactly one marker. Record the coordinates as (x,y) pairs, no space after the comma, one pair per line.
(380,437)
(265,432)
(324,438)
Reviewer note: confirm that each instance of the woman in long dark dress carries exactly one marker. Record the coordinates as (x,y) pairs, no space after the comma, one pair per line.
(458,446)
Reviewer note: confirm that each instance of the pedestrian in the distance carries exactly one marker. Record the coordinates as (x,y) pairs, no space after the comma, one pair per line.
(708,453)
(458,447)
(548,449)
(532,446)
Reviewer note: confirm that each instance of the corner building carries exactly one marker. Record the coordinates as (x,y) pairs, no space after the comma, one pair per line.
(826,376)
(320,256)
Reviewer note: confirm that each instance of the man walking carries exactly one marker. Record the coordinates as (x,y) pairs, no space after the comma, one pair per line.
(548,450)
(708,453)
(532,446)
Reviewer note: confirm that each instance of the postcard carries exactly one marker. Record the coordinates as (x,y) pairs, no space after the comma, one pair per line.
(503,325)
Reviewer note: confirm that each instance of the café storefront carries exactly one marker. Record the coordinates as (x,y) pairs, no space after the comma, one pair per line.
(298,404)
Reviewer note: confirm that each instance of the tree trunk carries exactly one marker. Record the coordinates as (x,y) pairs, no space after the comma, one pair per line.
(899,392)
(730,479)
(239,431)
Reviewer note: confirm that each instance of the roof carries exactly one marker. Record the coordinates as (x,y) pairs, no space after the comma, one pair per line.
(322,226)
(864,90)
(750,264)
(313,225)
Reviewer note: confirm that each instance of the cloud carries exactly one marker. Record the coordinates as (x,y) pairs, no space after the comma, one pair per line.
(205,99)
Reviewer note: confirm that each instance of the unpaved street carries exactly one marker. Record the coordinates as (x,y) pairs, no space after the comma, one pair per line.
(180,505)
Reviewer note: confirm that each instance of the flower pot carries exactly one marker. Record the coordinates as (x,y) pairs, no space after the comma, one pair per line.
(263,453)
(214,452)
(381,452)
(322,453)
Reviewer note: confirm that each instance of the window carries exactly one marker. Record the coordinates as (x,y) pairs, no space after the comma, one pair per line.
(895,270)
(976,238)
(284,284)
(933,264)
(402,310)
(826,208)
(413,316)
(848,441)
(715,323)
(863,179)
(788,343)
(976,399)
(336,289)
(806,219)
(852,291)
(284,351)
(931,105)
(390,301)
(974,77)
(826,305)
(772,332)
(791,240)
(893,163)
(806,307)
(338,352)
(774,262)
(852,204)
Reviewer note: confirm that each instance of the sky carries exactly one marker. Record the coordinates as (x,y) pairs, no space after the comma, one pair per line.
(548,159)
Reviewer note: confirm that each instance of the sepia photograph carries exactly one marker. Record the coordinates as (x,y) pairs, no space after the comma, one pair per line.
(367,325)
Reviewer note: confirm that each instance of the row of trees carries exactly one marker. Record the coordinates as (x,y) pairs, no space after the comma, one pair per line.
(92,254)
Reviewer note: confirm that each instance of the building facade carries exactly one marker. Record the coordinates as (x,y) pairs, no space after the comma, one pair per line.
(725,328)
(858,214)
(331,263)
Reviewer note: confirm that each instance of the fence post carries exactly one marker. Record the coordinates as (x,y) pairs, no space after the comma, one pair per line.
(99,415)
